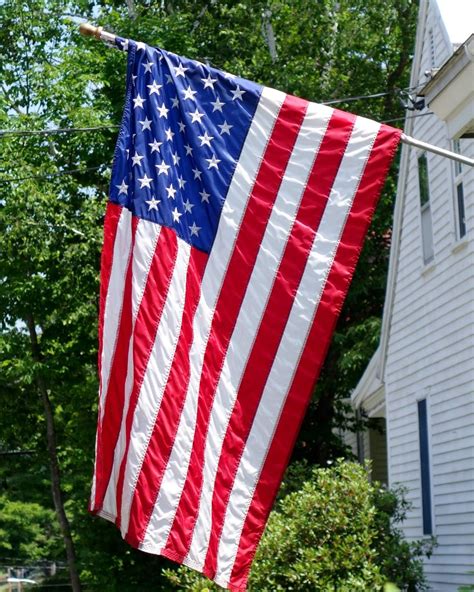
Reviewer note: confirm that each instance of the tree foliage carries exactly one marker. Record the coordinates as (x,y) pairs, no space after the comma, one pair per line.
(52,193)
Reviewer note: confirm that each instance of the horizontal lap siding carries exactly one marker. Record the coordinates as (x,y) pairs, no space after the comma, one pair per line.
(430,354)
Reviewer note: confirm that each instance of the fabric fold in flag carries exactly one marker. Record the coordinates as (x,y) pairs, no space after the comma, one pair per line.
(235,220)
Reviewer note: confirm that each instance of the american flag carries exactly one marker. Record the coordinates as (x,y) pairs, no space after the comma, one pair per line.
(235,220)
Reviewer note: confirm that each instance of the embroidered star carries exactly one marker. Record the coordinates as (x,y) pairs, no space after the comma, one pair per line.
(206,139)
(188,206)
(169,134)
(209,82)
(134,77)
(123,187)
(146,124)
(237,93)
(154,88)
(138,102)
(197,173)
(175,102)
(140,45)
(180,70)
(171,191)
(136,159)
(194,229)
(153,203)
(196,116)
(148,66)
(169,79)
(189,93)
(176,158)
(155,145)
(181,125)
(225,127)
(181,182)
(189,150)
(145,182)
(163,111)
(204,196)
(176,215)
(217,104)
(163,168)
(125,45)
(213,162)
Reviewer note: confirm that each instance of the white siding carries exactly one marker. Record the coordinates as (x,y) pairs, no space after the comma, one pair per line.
(431,352)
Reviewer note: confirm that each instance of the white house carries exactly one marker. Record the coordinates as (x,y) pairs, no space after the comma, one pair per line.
(420,382)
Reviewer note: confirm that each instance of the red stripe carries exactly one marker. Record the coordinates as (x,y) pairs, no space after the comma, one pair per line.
(274,319)
(146,326)
(277,154)
(166,424)
(113,408)
(314,352)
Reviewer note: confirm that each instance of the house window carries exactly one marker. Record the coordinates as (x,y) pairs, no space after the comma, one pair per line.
(426,224)
(425,467)
(459,208)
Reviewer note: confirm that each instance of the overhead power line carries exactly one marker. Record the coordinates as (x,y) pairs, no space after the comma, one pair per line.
(59,130)
(48,175)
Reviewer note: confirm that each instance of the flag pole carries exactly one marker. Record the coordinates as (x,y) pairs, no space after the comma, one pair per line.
(89,30)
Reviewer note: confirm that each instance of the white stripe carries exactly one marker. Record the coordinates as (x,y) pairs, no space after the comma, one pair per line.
(146,238)
(251,311)
(304,307)
(114,299)
(233,210)
(155,378)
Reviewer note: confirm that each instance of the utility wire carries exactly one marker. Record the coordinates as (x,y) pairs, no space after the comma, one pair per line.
(59,130)
(48,175)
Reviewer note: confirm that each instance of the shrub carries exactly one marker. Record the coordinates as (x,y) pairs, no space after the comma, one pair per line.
(331,531)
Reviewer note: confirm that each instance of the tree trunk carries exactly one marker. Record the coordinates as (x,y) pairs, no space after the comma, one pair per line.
(53,459)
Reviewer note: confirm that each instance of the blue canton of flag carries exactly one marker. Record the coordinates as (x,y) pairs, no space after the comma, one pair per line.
(182,134)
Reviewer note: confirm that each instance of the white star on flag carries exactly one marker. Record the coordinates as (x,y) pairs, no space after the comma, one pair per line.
(209,82)
(180,70)
(163,111)
(213,162)
(189,93)
(237,93)
(204,196)
(194,229)
(176,215)
(163,168)
(188,206)
(148,66)
(154,88)
(171,191)
(153,203)
(206,139)
(138,102)
(155,145)
(196,116)
(217,104)
(136,159)
(225,127)
(145,181)
(146,124)
(123,187)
